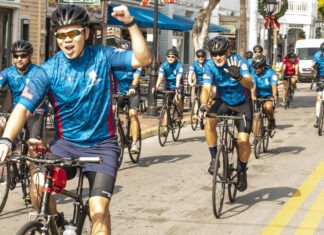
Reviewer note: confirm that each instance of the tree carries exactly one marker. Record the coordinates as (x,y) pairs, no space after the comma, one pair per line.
(200,28)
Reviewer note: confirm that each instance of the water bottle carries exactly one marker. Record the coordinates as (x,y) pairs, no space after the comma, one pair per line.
(69,230)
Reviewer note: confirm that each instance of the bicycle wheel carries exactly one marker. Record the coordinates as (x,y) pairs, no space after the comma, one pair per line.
(219,180)
(194,115)
(288,98)
(176,123)
(266,132)
(258,137)
(163,130)
(5,176)
(120,137)
(135,156)
(233,157)
(320,119)
(32,228)
(84,224)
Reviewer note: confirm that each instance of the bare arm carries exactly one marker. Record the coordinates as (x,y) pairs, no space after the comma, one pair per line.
(159,80)
(247,81)
(204,96)
(191,78)
(178,79)
(141,56)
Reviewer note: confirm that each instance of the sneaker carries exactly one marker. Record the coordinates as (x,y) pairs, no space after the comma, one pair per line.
(242,181)
(272,124)
(316,123)
(135,148)
(283,103)
(212,166)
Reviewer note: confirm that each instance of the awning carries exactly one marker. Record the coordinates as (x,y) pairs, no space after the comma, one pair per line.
(190,23)
(145,19)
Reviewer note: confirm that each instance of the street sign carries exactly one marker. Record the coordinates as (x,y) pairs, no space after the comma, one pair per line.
(86,2)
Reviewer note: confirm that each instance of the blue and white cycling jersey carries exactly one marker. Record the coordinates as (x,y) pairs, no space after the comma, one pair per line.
(228,89)
(264,82)
(124,79)
(318,58)
(17,82)
(80,92)
(170,72)
(198,70)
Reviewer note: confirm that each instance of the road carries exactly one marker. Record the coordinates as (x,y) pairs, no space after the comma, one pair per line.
(169,191)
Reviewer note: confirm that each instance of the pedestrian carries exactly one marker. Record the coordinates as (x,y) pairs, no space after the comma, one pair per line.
(77,80)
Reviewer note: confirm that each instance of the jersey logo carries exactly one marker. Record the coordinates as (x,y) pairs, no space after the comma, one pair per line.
(94,79)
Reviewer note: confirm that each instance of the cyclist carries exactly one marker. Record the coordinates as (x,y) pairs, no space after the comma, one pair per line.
(196,71)
(318,64)
(77,79)
(128,83)
(172,71)
(290,69)
(16,77)
(233,81)
(265,86)
(248,55)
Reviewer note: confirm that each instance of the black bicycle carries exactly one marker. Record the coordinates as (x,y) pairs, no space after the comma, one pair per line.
(125,138)
(226,162)
(55,181)
(12,173)
(321,113)
(262,132)
(169,118)
(194,116)
(289,92)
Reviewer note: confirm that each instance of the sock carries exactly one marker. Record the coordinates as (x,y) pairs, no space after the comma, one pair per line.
(213,151)
(243,166)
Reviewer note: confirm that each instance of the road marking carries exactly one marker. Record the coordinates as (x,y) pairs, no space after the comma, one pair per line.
(282,218)
(313,217)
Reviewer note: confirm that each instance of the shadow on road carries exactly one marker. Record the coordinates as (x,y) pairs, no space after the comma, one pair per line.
(248,200)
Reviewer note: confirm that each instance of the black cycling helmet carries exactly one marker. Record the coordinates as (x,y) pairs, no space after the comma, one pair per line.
(292,55)
(258,48)
(22,45)
(322,46)
(249,54)
(201,53)
(218,44)
(172,51)
(259,61)
(70,15)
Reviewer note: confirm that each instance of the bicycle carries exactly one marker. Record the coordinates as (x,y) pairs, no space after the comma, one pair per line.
(226,162)
(124,134)
(195,111)
(169,118)
(12,173)
(55,181)
(321,113)
(263,132)
(289,92)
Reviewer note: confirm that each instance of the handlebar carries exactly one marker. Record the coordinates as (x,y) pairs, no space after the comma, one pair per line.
(116,96)
(52,160)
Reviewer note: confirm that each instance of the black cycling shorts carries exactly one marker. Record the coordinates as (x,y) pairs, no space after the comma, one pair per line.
(221,108)
(34,126)
(133,101)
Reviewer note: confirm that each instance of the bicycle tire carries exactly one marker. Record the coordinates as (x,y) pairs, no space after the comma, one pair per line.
(266,132)
(163,131)
(121,143)
(84,224)
(5,177)
(176,123)
(258,137)
(194,113)
(219,181)
(320,119)
(31,227)
(135,156)
(233,166)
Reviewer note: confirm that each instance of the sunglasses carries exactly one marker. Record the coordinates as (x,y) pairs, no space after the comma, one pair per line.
(70,34)
(258,67)
(22,56)
(215,54)
(257,51)
(171,56)
(201,56)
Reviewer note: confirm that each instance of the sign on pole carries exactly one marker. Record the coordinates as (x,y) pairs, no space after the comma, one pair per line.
(86,2)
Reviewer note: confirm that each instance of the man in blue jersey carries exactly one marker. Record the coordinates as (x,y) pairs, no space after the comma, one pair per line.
(172,71)
(231,75)
(318,64)
(77,81)
(16,77)
(265,86)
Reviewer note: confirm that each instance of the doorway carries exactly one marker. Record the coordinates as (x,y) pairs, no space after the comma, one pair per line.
(5,35)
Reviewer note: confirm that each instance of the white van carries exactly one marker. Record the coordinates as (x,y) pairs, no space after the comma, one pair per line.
(305,49)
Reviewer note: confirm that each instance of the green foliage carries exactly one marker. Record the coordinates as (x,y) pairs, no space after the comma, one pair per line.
(282,11)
